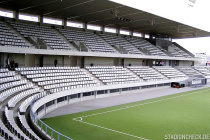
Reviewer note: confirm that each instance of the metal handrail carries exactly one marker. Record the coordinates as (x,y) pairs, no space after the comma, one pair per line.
(36,121)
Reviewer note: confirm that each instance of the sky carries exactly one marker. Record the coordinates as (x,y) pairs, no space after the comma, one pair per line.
(178,10)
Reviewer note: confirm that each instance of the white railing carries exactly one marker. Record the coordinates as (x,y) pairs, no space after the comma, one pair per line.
(52,134)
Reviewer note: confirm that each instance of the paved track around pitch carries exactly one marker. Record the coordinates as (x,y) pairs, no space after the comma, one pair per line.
(132,96)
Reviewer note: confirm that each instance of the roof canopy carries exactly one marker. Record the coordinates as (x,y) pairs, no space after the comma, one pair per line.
(105,13)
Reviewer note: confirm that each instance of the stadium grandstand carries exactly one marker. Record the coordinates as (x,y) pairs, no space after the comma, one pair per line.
(55,54)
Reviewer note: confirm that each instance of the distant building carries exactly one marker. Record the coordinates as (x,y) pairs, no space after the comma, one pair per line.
(204,59)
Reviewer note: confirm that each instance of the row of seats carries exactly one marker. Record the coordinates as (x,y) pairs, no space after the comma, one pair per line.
(14,90)
(45,68)
(121,42)
(189,71)
(51,78)
(49,71)
(44,33)
(91,40)
(208,68)
(7,74)
(4,70)
(15,99)
(170,72)
(12,84)
(177,52)
(72,85)
(26,128)
(9,38)
(117,69)
(72,78)
(144,44)
(76,75)
(54,89)
(204,70)
(26,103)
(5,132)
(113,74)
(50,82)
(147,73)
(12,125)
(9,79)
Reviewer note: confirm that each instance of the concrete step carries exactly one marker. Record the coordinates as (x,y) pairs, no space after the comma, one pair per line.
(159,72)
(93,76)
(65,40)
(133,73)
(19,35)
(180,71)
(109,44)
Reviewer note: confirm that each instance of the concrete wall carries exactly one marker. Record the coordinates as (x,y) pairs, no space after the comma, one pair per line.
(99,61)
(36,60)
(19,58)
(2,60)
(185,63)
(133,62)
(79,59)
(167,63)
(117,62)
(73,61)
(30,60)
(149,62)
(66,61)
(48,60)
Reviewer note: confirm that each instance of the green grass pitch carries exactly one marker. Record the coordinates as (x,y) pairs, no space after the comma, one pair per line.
(153,119)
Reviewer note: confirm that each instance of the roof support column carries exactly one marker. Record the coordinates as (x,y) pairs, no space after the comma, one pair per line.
(41,20)
(85,26)
(16,15)
(131,33)
(118,31)
(143,35)
(64,23)
(102,29)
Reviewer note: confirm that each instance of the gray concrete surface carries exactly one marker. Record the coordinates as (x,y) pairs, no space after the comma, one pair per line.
(132,96)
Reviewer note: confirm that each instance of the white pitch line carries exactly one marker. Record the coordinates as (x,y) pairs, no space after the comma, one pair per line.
(81,118)
(111,130)
(141,104)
